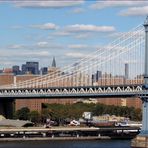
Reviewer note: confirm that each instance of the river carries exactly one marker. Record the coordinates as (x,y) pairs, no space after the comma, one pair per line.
(68,144)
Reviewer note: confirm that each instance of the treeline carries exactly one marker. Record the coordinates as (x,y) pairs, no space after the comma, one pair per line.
(60,112)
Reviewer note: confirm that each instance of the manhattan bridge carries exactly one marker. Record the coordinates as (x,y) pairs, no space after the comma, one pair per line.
(78,80)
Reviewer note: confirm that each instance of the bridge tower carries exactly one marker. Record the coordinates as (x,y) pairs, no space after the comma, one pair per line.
(145,97)
(141,141)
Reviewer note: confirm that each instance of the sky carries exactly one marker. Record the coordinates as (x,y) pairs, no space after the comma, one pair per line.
(67,30)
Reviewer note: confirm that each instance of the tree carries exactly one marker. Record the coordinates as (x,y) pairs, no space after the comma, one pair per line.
(22,114)
(35,116)
(46,114)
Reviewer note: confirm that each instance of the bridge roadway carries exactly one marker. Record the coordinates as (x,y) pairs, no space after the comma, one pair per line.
(74,92)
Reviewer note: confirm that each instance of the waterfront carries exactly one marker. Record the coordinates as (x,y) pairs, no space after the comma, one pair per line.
(68,144)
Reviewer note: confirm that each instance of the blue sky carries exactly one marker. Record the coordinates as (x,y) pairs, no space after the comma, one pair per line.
(68,30)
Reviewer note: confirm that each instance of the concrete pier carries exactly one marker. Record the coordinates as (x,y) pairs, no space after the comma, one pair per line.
(7,108)
(141,141)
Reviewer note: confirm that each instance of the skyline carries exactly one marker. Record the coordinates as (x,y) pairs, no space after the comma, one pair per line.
(68,30)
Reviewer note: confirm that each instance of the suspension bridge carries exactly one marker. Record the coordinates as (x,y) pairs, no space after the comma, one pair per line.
(117,69)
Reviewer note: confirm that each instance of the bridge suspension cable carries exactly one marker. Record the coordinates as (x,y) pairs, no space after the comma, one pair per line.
(106,66)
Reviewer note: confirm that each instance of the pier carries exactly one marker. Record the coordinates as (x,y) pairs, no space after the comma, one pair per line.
(69,133)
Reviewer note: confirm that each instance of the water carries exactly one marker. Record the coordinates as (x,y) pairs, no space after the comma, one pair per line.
(68,144)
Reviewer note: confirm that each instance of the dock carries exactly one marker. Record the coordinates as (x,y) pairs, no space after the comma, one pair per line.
(67,133)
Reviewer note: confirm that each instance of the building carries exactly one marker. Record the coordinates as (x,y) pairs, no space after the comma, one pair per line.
(126,70)
(1,71)
(24,69)
(16,70)
(6,78)
(53,62)
(30,71)
(30,67)
(8,70)
(44,71)
(109,118)
(36,104)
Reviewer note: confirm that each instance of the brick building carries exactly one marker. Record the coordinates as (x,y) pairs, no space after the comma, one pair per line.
(36,104)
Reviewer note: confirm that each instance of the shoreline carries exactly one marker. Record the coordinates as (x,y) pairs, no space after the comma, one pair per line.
(55,138)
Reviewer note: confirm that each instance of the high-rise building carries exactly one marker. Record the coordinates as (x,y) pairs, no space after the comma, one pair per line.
(93,78)
(98,75)
(24,69)
(53,62)
(53,68)
(43,70)
(126,70)
(30,67)
(16,70)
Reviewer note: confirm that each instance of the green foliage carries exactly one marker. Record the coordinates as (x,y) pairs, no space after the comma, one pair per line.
(59,112)
(22,114)
(35,116)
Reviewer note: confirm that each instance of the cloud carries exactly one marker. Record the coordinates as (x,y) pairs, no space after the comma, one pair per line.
(90,28)
(50,46)
(84,36)
(132,34)
(37,54)
(18,58)
(75,55)
(42,44)
(35,47)
(78,10)
(83,31)
(24,53)
(62,33)
(78,46)
(135,11)
(48,3)
(106,4)
(46,26)
(16,46)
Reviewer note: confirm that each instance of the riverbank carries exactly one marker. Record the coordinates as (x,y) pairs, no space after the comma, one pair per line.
(55,138)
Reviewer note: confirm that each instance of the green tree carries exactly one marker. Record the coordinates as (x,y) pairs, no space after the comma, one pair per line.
(35,116)
(45,114)
(22,114)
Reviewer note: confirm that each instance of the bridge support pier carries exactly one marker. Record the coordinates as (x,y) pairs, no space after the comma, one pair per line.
(141,141)
(7,108)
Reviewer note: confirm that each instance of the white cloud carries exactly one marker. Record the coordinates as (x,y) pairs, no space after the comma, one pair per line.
(75,55)
(90,28)
(16,46)
(42,44)
(24,53)
(37,53)
(78,10)
(132,34)
(83,31)
(78,46)
(83,36)
(62,33)
(106,4)
(135,11)
(46,26)
(48,3)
